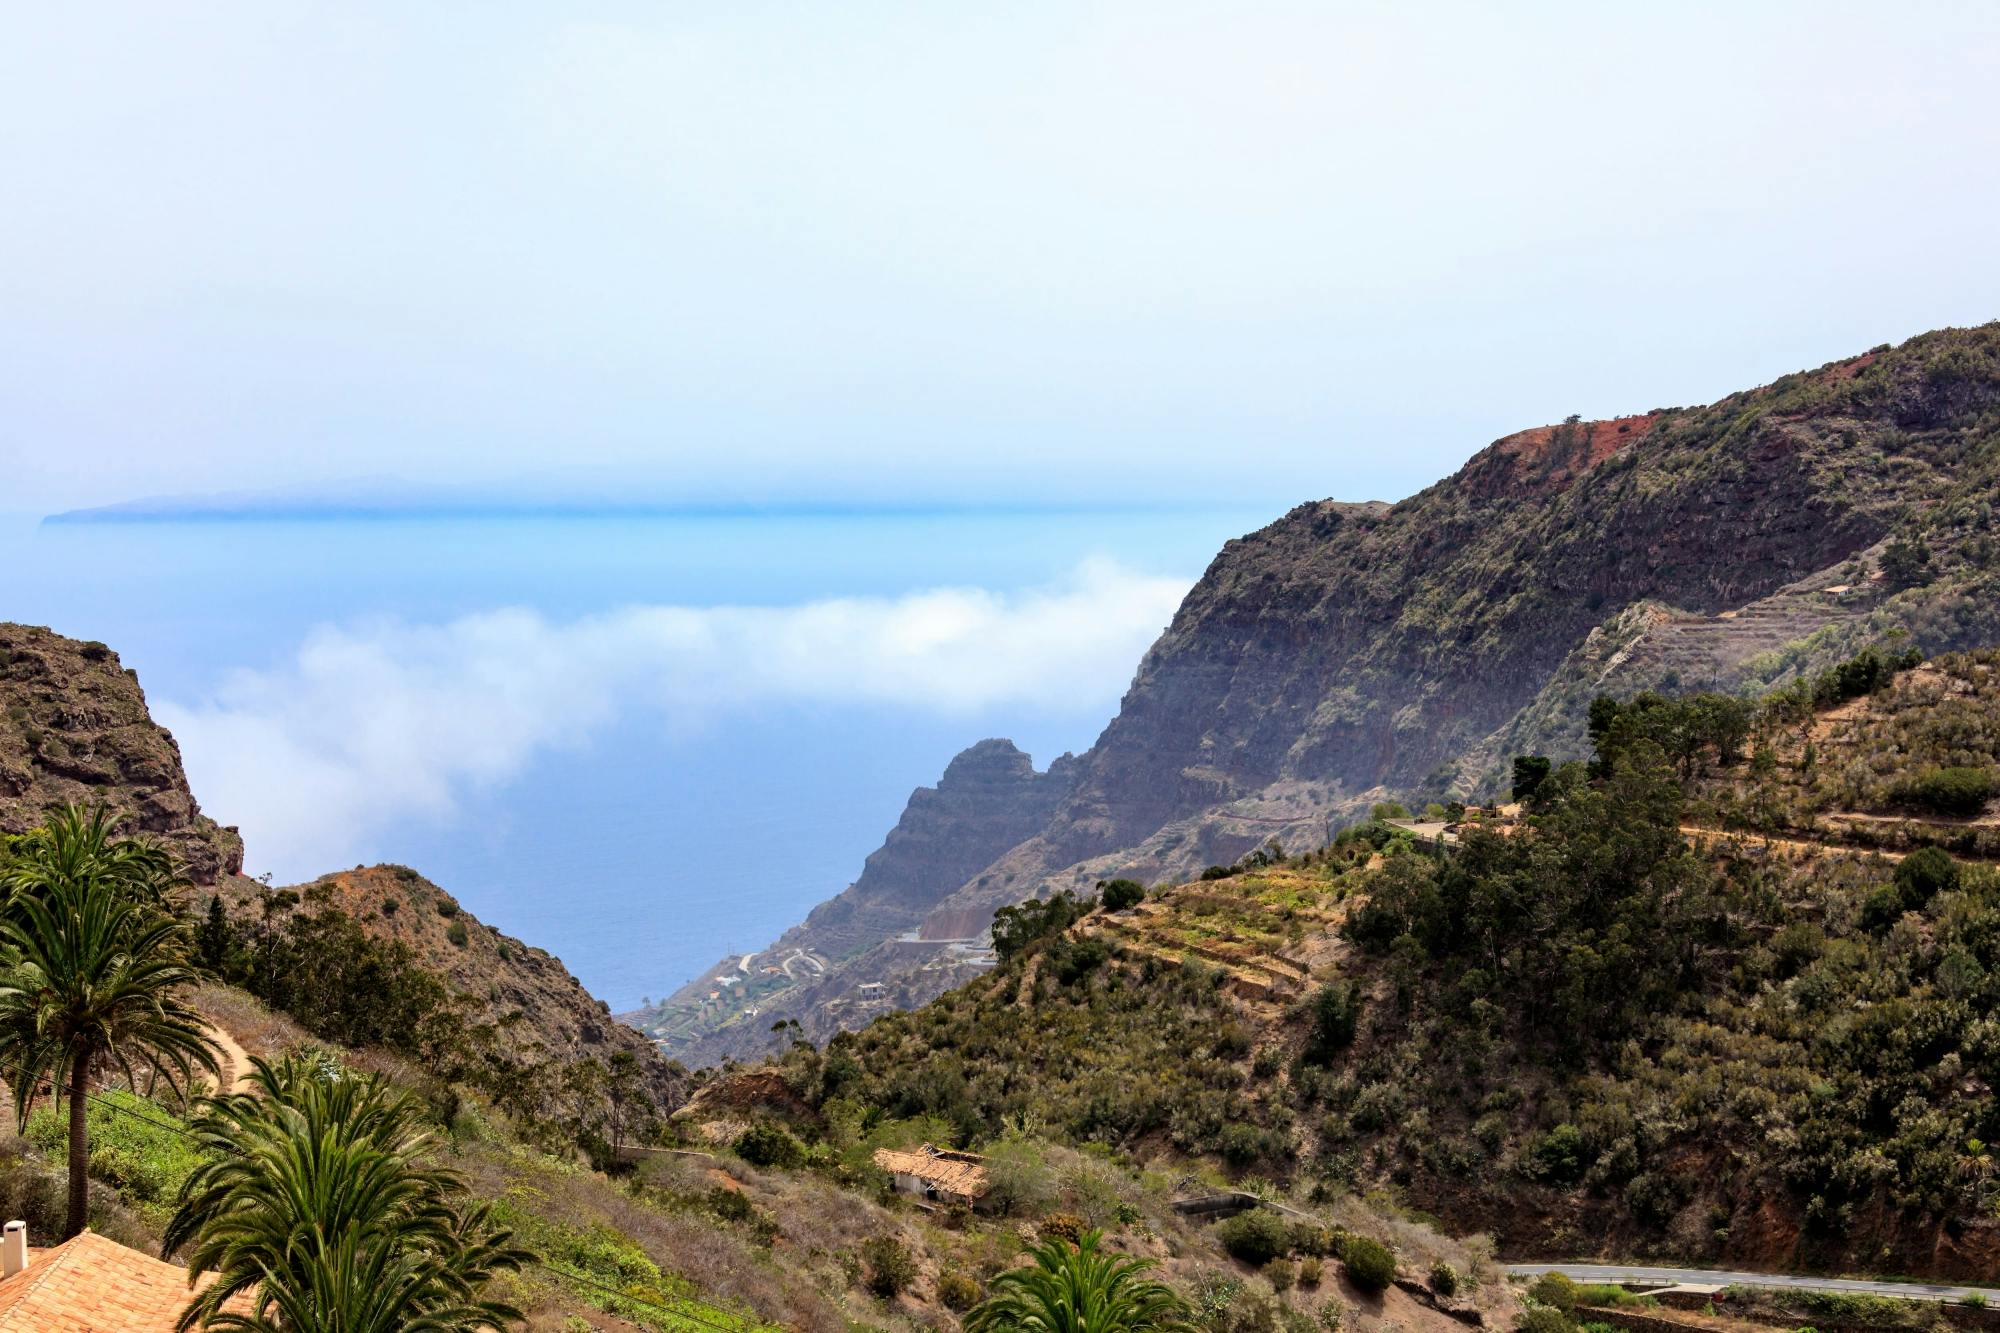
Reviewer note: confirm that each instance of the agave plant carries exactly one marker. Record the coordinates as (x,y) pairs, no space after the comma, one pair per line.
(1078,1288)
(91,966)
(318,1212)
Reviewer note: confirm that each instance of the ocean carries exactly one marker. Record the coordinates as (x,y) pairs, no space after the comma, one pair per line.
(638,742)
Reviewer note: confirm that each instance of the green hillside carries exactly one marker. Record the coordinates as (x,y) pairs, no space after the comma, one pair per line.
(1693,1001)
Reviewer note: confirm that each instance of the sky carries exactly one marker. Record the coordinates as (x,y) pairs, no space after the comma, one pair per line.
(1038,252)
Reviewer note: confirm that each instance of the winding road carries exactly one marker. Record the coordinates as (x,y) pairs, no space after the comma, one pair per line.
(1642,1275)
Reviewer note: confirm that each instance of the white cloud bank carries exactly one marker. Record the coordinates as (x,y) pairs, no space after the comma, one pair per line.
(374,725)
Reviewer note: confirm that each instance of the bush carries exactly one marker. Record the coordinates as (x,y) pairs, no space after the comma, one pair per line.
(1923,875)
(1256,1237)
(1881,909)
(1281,1274)
(456,933)
(1444,1279)
(1543,1319)
(956,1291)
(1310,1238)
(1369,1264)
(1958,792)
(1336,1012)
(768,1145)
(889,1265)
(1310,1271)
(1559,1155)
(1063,1226)
(1555,1291)
(1120,894)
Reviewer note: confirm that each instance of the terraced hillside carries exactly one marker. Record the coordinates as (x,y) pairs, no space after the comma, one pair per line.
(1629,1020)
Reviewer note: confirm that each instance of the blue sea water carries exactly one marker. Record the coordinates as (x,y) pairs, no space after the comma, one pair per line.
(641,855)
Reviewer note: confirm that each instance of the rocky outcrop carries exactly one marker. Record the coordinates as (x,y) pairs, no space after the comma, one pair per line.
(1350,652)
(74,730)
(989,799)
(539,1013)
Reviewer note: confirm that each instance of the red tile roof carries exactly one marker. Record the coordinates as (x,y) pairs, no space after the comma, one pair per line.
(93,1285)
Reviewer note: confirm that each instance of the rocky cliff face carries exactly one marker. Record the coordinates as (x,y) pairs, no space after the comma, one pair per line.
(74,730)
(989,799)
(1350,652)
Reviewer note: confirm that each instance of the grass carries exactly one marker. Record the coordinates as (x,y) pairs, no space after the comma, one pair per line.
(136,1145)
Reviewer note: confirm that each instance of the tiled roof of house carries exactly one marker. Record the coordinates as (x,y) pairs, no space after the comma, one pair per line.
(93,1285)
(952,1172)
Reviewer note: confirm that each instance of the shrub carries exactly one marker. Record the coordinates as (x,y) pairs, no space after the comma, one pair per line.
(1923,875)
(1882,909)
(889,1265)
(957,1291)
(1310,1271)
(1444,1279)
(1330,1315)
(1957,792)
(1218,872)
(456,933)
(447,906)
(1336,1012)
(1369,1264)
(1559,1155)
(1256,1237)
(1063,1226)
(1542,1319)
(1555,1291)
(1310,1238)
(1281,1274)
(769,1145)
(1120,894)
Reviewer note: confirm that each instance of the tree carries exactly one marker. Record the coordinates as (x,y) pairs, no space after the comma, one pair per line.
(1078,1289)
(1530,771)
(315,1207)
(91,966)
(1905,563)
(1336,1012)
(1120,894)
(213,937)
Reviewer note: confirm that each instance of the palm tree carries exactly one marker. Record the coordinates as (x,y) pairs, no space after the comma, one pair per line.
(316,1212)
(1078,1289)
(75,846)
(90,967)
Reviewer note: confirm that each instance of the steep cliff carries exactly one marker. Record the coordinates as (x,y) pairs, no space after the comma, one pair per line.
(989,799)
(1350,652)
(74,729)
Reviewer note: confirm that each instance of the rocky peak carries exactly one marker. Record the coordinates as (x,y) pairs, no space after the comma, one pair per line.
(74,730)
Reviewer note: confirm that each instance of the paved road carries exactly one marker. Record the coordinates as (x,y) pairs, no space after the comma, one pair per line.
(1704,1277)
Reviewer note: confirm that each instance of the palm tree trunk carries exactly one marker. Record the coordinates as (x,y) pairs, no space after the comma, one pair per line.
(79,1144)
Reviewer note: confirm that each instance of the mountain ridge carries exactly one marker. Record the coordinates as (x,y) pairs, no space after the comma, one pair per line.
(1351,652)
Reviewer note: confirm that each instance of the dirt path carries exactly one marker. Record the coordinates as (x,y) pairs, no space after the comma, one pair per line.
(235,1060)
(1796,844)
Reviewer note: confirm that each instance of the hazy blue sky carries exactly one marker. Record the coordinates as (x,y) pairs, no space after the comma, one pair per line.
(948,249)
